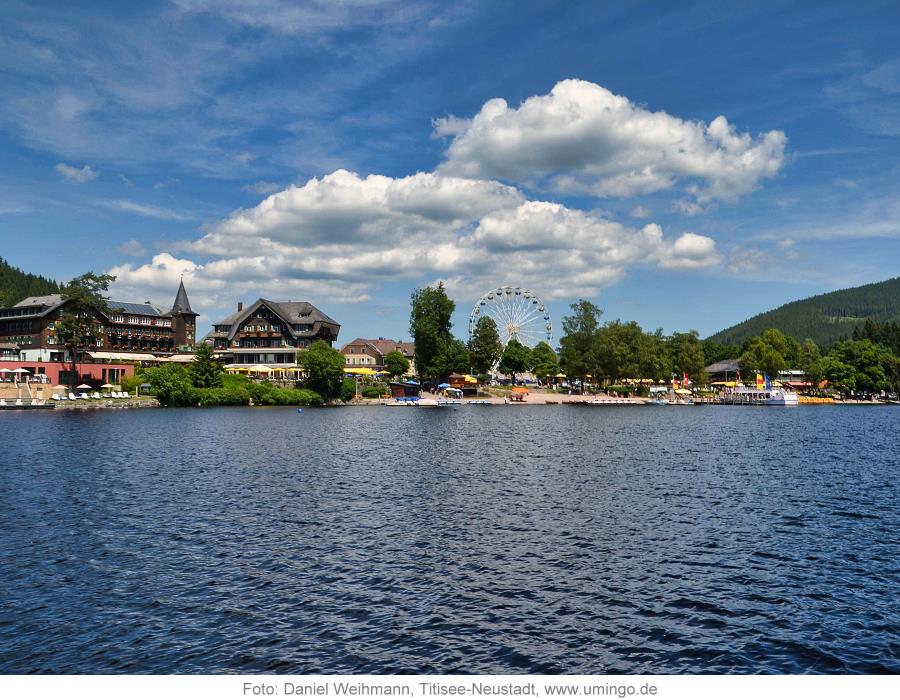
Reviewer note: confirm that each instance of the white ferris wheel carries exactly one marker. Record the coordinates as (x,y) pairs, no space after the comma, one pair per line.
(518,312)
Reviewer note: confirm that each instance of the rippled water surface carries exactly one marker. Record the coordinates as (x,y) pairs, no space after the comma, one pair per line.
(486,539)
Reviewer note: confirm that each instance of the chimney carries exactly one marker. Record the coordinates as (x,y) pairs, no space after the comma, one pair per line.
(240,306)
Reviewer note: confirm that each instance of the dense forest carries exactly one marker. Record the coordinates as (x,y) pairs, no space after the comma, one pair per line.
(15,285)
(826,318)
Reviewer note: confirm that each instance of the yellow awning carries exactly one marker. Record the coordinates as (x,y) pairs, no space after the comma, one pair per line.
(470,379)
(260,368)
(360,370)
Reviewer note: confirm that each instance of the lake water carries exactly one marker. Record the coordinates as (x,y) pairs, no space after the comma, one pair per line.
(486,539)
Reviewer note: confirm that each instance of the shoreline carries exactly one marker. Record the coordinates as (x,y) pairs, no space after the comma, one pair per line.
(537,399)
(82,405)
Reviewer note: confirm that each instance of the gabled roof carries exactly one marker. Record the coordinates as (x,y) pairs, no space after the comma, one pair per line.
(299,311)
(290,312)
(382,346)
(723,366)
(46,300)
(182,305)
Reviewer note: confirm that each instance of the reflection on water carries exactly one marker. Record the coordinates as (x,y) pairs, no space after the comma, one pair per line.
(485,539)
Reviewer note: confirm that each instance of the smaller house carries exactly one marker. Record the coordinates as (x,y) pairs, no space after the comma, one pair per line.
(465,383)
(368,352)
(400,390)
(724,371)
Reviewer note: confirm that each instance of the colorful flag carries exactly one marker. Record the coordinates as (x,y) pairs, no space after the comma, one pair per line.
(760,383)
(685,381)
(768,382)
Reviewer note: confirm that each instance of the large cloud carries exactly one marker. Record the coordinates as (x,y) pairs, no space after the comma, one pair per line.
(343,209)
(582,138)
(341,235)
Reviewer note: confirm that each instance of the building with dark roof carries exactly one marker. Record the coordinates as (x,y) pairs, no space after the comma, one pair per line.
(370,352)
(270,332)
(130,329)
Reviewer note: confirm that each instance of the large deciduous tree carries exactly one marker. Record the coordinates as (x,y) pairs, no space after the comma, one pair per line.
(543,362)
(453,356)
(324,369)
(485,346)
(771,352)
(396,364)
(516,359)
(79,327)
(686,352)
(578,344)
(866,360)
(429,326)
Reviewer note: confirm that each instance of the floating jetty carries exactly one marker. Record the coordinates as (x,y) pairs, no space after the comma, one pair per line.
(20,405)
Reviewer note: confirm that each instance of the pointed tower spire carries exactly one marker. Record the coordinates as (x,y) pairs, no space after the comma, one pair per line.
(181,305)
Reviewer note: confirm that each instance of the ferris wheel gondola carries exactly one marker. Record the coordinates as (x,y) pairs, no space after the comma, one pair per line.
(518,312)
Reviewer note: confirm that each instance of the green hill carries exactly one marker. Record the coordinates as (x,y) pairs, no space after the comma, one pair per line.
(826,317)
(15,285)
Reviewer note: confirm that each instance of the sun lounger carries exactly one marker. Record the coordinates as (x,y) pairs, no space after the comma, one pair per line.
(72,396)
(95,395)
(84,396)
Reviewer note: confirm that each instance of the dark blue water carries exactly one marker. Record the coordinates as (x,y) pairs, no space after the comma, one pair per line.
(504,539)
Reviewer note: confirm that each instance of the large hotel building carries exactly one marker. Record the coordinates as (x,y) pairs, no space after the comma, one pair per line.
(131,332)
(270,333)
(263,333)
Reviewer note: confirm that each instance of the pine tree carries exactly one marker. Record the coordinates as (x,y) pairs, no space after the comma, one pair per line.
(205,371)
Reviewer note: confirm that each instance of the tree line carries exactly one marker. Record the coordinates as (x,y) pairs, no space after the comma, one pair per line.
(16,285)
(604,353)
(588,349)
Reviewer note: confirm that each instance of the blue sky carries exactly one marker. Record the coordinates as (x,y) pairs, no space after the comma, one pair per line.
(683,166)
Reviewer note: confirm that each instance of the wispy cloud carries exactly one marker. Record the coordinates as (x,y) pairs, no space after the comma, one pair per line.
(149,210)
(13,209)
(83,174)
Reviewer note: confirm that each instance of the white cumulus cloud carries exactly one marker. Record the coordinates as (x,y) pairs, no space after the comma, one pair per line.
(582,138)
(341,235)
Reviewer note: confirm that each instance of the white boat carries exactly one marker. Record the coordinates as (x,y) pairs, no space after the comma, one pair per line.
(750,396)
(657,401)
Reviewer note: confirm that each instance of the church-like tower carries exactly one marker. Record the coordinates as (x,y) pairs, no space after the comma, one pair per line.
(184,320)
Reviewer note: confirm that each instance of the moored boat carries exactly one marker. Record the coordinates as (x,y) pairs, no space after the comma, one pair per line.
(750,396)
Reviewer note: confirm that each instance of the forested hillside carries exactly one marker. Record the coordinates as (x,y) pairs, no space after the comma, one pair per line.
(15,285)
(825,318)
